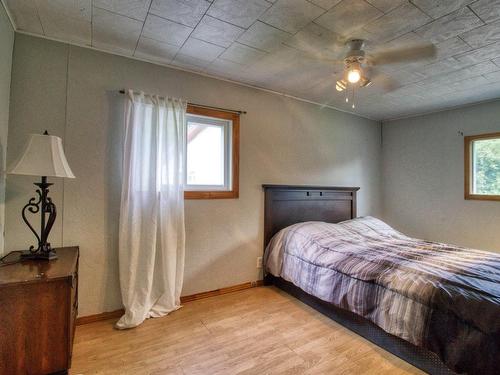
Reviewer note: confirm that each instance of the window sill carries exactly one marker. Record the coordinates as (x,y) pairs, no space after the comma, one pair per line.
(482,197)
(211,194)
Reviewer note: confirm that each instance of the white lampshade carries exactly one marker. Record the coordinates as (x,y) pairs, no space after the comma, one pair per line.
(43,155)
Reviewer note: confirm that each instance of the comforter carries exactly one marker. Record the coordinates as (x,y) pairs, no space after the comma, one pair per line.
(441,297)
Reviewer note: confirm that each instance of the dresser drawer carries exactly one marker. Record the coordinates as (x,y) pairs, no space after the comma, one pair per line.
(39,304)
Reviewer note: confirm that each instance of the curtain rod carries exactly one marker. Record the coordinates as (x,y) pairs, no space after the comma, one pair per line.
(209,107)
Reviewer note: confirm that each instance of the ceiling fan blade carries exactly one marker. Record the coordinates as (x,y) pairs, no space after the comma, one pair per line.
(320,56)
(381,80)
(393,56)
(318,42)
(332,53)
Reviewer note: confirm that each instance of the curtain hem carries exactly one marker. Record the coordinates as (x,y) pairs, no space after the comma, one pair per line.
(125,323)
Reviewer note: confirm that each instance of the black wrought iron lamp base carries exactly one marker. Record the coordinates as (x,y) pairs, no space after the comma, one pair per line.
(41,204)
(39,255)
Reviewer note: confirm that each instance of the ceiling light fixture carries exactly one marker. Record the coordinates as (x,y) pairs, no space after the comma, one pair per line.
(353,75)
(341,85)
(354,71)
(365,82)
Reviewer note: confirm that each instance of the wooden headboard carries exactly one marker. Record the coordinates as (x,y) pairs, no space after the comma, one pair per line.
(288,204)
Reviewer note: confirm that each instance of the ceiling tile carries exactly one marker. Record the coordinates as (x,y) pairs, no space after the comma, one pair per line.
(163,30)
(412,90)
(228,69)
(466,84)
(477,93)
(220,66)
(348,16)
(481,68)
(78,9)
(405,77)
(114,32)
(461,74)
(68,20)
(217,32)
(483,35)
(396,23)
(451,47)
(242,54)
(201,50)
(449,26)
(439,8)
(493,77)
(137,9)
(318,42)
(440,67)
(488,10)
(291,15)
(156,51)
(190,62)
(386,5)
(238,12)
(65,28)
(491,51)
(325,4)
(403,41)
(186,12)
(263,37)
(25,15)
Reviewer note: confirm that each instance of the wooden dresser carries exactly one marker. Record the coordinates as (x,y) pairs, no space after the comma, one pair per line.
(38,309)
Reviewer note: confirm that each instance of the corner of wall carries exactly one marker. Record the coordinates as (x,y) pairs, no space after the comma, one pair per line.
(9,15)
(382,172)
(7,31)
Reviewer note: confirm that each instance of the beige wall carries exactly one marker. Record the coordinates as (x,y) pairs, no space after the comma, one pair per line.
(6,45)
(423,177)
(72,92)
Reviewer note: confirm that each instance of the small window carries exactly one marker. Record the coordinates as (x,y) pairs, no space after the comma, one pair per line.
(212,152)
(482,167)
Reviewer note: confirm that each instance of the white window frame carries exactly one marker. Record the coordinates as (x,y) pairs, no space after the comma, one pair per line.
(227,134)
(469,170)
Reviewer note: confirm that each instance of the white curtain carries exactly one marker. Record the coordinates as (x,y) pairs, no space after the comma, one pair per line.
(151,237)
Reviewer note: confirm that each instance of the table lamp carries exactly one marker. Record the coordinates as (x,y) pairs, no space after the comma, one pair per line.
(43,156)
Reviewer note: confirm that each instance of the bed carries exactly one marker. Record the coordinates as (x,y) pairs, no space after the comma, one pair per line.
(436,306)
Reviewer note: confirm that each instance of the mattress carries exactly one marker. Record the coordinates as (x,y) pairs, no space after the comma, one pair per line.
(441,297)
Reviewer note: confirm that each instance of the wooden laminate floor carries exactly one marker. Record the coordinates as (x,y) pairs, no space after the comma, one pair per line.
(256,331)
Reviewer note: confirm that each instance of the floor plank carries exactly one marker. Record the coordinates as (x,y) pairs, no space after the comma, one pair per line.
(256,331)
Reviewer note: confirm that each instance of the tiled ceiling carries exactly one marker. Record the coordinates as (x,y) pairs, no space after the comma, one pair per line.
(284,45)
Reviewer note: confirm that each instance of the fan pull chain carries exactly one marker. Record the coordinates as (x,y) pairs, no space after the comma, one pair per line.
(353,105)
(347,93)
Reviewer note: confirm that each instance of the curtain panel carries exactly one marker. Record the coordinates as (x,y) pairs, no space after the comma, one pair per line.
(151,231)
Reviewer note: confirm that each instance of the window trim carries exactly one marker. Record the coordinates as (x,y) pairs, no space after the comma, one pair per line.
(468,167)
(235,155)
(227,130)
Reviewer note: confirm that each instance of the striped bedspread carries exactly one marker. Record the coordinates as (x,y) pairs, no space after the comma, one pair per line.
(441,297)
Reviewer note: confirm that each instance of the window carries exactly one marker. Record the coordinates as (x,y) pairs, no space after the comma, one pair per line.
(212,153)
(482,167)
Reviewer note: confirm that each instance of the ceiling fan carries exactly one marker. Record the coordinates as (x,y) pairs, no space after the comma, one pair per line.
(360,68)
